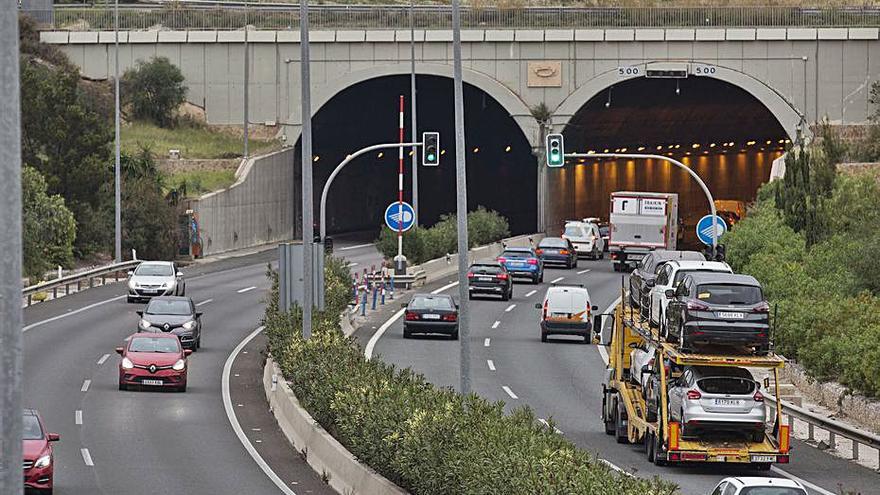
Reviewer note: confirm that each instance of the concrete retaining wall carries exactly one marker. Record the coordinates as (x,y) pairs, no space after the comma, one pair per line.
(323,453)
(444,267)
(260,208)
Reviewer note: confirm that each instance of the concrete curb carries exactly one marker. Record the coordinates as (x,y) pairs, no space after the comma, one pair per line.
(329,458)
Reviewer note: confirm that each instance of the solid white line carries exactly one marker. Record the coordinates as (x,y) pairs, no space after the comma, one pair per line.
(65,315)
(545,423)
(510,308)
(495,325)
(103,359)
(206,301)
(802,481)
(355,247)
(583,271)
(78,417)
(486,342)
(352,264)
(531,293)
(509,392)
(371,344)
(87,457)
(246,289)
(85,387)
(233,420)
(491,364)
(557,280)
(615,467)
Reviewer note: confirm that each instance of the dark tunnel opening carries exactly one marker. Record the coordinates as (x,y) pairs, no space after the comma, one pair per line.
(720,131)
(501,169)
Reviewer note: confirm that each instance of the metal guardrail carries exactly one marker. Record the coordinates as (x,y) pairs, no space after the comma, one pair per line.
(278,16)
(78,279)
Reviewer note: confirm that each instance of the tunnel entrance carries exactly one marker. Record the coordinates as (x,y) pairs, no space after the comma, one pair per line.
(722,132)
(501,168)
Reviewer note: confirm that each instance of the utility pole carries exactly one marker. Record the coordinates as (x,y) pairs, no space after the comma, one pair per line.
(10,255)
(247,79)
(412,96)
(117,171)
(308,227)
(461,206)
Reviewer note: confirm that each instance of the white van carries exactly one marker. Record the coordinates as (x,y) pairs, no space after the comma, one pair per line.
(566,310)
(586,239)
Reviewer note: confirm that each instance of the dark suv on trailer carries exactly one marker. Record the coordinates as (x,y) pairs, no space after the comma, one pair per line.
(489,277)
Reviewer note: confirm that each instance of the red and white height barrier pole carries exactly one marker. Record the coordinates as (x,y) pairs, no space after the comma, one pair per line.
(399,259)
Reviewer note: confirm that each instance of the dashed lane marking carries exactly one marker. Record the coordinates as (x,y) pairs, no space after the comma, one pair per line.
(583,271)
(103,359)
(531,293)
(491,364)
(85,386)
(206,301)
(87,457)
(509,392)
(78,417)
(510,308)
(495,325)
(486,342)
(557,280)
(246,289)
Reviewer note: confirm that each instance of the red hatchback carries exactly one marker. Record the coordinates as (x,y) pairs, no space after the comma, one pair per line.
(39,460)
(153,360)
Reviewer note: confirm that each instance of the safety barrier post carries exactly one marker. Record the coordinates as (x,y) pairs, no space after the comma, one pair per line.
(364,302)
(375,294)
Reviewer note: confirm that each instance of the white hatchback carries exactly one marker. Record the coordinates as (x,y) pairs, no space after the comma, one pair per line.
(741,485)
(669,276)
(566,311)
(586,239)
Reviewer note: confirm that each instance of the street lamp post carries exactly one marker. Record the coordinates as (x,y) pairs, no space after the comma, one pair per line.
(308,227)
(117,181)
(414,130)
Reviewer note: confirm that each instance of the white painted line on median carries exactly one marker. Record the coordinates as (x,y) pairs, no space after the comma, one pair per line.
(491,364)
(557,280)
(371,344)
(802,481)
(246,289)
(103,359)
(545,423)
(509,392)
(206,301)
(615,467)
(531,293)
(85,387)
(352,264)
(87,457)
(583,271)
(486,342)
(70,313)
(348,248)
(495,325)
(233,420)
(510,308)
(78,417)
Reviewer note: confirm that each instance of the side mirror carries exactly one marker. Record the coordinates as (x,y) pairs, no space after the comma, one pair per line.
(199,314)
(187,352)
(179,274)
(603,332)
(120,350)
(647,370)
(766,383)
(140,313)
(670,293)
(650,283)
(130,273)
(594,308)
(53,437)
(538,306)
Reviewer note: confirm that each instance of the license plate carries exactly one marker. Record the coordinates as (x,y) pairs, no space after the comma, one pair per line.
(730,315)
(150,291)
(430,317)
(158,383)
(763,458)
(727,402)
(517,265)
(484,279)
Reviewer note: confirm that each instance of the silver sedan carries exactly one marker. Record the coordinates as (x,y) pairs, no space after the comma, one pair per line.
(155,278)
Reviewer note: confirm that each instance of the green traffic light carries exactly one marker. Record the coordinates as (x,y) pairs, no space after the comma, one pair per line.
(431,158)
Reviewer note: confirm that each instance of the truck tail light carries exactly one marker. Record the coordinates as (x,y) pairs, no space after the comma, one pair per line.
(783,438)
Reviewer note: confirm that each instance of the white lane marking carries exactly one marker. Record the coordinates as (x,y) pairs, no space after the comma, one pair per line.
(510,308)
(583,271)
(103,359)
(85,387)
(78,417)
(486,342)
(233,420)
(491,364)
(206,301)
(371,344)
(246,289)
(531,293)
(615,467)
(557,280)
(352,264)
(349,248)
(509,392)
(495,325)
(70,313)
(545,423)
(87,457)
(802,481)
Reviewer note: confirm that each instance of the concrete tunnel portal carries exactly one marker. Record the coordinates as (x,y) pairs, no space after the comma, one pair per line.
(725,133)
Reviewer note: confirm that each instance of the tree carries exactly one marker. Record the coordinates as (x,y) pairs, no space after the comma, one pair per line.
(808,182)
(154,89)
(149,223)
(48,227)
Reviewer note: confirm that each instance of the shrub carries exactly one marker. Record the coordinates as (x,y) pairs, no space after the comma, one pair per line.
(154,89)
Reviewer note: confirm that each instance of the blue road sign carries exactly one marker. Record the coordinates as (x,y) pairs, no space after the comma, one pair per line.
(704,229)
(393,216)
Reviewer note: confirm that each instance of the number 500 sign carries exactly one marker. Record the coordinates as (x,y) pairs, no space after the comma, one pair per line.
(704,70)
(628,71)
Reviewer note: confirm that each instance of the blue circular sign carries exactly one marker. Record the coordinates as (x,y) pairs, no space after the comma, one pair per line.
(704,229)
(397,212)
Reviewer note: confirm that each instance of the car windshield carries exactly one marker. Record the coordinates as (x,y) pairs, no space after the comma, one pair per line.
(573,231)
(486,269)
(771,490)
(148,344)
(679,276)
(168,307)
(517,254)
(727,385)
(32,430)
(553,242)
(153,270)
(425,302)
(729,294)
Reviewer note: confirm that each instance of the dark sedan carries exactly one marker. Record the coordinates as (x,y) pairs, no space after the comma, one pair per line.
(557,251)
(489,277)
(642,278)
(719,308)
(175,315)
(431,313)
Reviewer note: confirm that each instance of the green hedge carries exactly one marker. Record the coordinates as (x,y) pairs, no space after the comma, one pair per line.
(426,439)
(423,244)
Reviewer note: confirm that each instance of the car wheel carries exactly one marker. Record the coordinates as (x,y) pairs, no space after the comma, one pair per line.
(601,255)
(575,265)
(541,278)
(46,491)
(129,299)
(649,446)
(543,337)
(199,341)
(620,433)
(656,449)
(587,339)
(616,267)
(505,296)
(181,389)
(406,333)
(455,335)
(470,297)
(122,386)
(682,341)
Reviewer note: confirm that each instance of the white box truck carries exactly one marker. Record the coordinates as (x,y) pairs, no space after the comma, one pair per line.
(641,222)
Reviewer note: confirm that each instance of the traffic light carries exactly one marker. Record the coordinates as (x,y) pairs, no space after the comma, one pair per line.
(431,149)
(555,150)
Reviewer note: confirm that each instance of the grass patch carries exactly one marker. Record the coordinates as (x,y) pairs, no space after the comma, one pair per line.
(193,141)
(198,182)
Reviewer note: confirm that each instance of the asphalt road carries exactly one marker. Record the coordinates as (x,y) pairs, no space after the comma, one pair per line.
(562,380)
(142,442)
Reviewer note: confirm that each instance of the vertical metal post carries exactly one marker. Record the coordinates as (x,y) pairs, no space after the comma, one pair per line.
(10,255)
(399,259)
(461,205)
(116,167)
(247,78)
(414,130)
(308,226)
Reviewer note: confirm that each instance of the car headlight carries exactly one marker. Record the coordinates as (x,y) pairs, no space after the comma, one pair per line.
(43,461)
(164,285)
(179,365)
(189,325)
(127,364)
(132,284)
(145,324)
